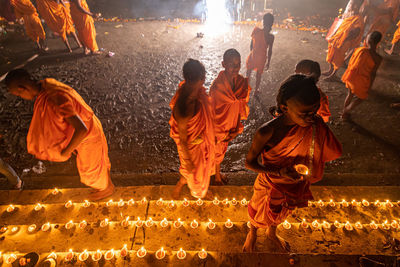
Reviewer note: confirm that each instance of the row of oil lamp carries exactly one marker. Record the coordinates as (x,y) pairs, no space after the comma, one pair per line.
(111,254)
(354,203)
(386,225)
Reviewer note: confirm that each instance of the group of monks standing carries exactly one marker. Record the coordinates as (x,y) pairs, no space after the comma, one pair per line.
(63,17)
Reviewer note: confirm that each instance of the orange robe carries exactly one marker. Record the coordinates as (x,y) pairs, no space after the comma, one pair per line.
(275,197)
(49,133)
(230,106)
(201,144)
(33,25)
(84,25)
(381,23)
(258,55)
(323,110)
(337,44)
(70,23)
(56,17)
(396,36)
(357,77)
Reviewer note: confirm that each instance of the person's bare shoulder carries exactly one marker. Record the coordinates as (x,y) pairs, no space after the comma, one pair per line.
(267,129)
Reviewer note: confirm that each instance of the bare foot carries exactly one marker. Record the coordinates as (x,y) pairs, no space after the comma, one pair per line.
(103,193)
(87,52)
(278,241)
(98,52)
(389,51)
(250,243)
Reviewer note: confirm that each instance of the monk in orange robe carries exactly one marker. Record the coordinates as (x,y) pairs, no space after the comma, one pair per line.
(57,17)
(293,148)
(261,45)
(230,93)
(84,24)
(62,124)
(395,40)
(361,73)
(385,15)
(312,68)
(192,129)
(33,26)
(347,37)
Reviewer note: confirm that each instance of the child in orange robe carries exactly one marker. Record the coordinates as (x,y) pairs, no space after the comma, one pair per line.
(395,40)
(62,124)
(229,94)
(261,45)
(361,73)
(296,137)
(192,128)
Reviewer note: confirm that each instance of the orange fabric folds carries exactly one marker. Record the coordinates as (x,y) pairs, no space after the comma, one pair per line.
(84,25)
(323,110)
(55,16)
(201,144)
(358,75)
(275,197)
(396,36)
(67,11)
(338,46)
(230,106)
(258,55)
(49,133)
(33,25)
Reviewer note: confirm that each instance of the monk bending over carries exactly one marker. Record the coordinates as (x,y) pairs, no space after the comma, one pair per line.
(229,94)
(84,24)
(346,38)
(33,26)
(62,124)
(192,128)
(312,68)
(261,45)
(361,73)
(58,18)
(295,137)
(395,40)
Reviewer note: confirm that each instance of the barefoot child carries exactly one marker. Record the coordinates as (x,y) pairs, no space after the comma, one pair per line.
(295,137)
(62,124)
(229,96)
(192,128)
(361,73)
(312,68)
(261,45)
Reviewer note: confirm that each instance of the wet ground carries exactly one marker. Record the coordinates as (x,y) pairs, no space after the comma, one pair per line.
(130,93)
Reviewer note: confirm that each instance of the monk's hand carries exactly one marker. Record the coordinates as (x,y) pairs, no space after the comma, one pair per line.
(290,173)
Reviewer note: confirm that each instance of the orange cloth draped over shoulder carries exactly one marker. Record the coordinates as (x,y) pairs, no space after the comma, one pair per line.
(338,46)
(323,110)
(230,106)
(49,133)
(84,25)
(396,36)
(275,197)
(33,25)
(55,16)
(201,144)
(381,23)
(258,55)
(357,77)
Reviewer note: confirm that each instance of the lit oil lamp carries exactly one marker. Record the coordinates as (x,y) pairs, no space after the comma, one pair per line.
(185,202)
(109,203)
(125,222)
(38,207)
(386,225)
(365,203)
(287,225)
(149,222)
(228,224)
(377,203)
(96,256)
(14,229)
(159,202)
(139,222)
(394,224)
(68,204)
(131,202)
(310,204)
(234,202)
(10,259)
(171,204)
(199,202)
(326,225)
(3,229)
(52,255)
(358,225)
(160,254)
(121,203)
(181,254)
(164,223)
(315,224)
(141,252)
(210,224)
(124,251)
(10,208)
(304,224)
(389,204)
(69,225)
(338,224)
(45,227)
(348,226)
(344,203)
(243,202)
(143,201)
(194,224)
(82,224)
(301,169)
(225,201)
(320,203)
(373,225)
(331,203)
(55,191)
(104,223)
(178,223)
(69,256)
(83,256)
(31,228)
(202,254)
(86,204)
(216,201)
(109,255)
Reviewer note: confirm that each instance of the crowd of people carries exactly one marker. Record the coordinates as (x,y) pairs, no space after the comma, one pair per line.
(288,152)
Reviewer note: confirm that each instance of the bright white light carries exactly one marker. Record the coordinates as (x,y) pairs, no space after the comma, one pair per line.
(218,18)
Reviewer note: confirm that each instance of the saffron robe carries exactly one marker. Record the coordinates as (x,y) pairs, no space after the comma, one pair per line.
(49,133)
(338,46)
(275,197)
(230,105)
(33,25)
(357,77)
(396,36)
(67,11)
(84,25)
(258,55)
(323,110)
(201,144)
